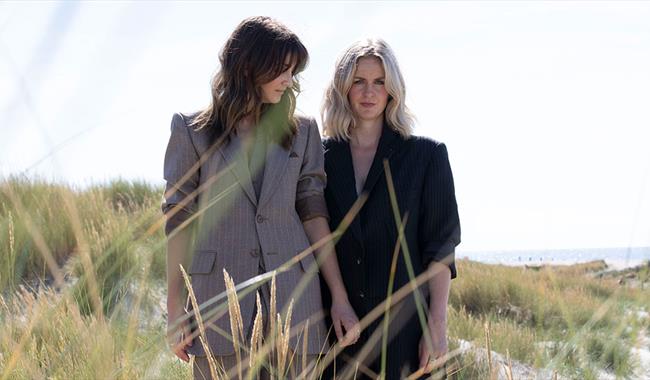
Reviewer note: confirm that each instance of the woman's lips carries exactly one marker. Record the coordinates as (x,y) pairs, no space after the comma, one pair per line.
(367,105)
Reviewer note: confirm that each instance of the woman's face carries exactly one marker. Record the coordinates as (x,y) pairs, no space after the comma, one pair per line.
(368,96)
(272,91)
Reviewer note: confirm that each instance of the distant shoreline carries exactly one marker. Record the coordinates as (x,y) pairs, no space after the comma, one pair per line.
(615,258)
(612,264)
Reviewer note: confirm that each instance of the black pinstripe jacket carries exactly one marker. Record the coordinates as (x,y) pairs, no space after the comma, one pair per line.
(424,189)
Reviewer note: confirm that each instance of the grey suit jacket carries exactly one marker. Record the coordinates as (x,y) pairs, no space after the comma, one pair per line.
(233,227)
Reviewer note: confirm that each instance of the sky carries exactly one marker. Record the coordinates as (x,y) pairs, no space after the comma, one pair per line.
(544,106)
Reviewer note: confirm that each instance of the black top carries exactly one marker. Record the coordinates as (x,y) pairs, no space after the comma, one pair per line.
(424,189)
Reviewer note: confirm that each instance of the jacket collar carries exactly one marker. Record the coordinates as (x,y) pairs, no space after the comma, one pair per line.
(234,156)
(275,164)
(341,171)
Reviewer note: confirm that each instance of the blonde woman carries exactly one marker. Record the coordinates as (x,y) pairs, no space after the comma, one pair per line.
(368,124)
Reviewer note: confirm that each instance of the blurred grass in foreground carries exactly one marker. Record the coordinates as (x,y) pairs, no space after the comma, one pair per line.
(112,220)
(107,317)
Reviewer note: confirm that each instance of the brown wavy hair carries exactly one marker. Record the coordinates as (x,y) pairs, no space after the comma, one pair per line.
(253,55)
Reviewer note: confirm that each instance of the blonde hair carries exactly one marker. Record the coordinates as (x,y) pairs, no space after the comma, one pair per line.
(336,111)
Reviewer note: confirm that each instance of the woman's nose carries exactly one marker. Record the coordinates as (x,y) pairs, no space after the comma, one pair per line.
(368,90)
(287,78)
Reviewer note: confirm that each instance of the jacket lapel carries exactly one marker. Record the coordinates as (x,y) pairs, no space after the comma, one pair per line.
(234,156)
(341,172)
(385,149)
(276,163)
(340,180)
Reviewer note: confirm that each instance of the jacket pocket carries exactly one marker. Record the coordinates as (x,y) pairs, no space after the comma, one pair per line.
(203,262)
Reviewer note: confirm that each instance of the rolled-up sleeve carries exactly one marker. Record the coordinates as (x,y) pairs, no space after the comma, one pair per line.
(440,224)
(310,201)
(181,171)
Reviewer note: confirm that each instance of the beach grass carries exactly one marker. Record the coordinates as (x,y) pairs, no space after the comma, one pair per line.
(82,284)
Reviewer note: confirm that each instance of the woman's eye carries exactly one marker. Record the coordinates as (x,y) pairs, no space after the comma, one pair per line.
(380,82)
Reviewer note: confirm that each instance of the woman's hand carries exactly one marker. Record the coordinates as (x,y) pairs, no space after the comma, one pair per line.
(435,356)
(346,323)
(178,327)
(179,335)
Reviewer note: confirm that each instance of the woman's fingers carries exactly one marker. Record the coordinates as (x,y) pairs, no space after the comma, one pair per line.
(179,347)
(187,335)
(431,360)
(347,331)
(348,336)
(424,354)
(337,328)
(346,323)
(352,329)
(179,339)
(180,352)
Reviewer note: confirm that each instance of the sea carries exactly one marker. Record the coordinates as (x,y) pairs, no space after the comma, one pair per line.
(616,258)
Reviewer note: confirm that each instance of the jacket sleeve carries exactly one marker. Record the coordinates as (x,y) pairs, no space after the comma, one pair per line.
(181,171)
(310,201)
(439,232)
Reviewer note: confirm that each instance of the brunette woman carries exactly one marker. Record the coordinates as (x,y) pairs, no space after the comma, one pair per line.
(244,194)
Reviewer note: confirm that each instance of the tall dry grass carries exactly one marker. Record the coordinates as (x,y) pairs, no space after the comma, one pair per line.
(84,259)
(58,243)
(95,238)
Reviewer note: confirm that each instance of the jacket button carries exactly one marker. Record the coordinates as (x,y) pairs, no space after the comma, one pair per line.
(359,261)
(260,219)
(361,295)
